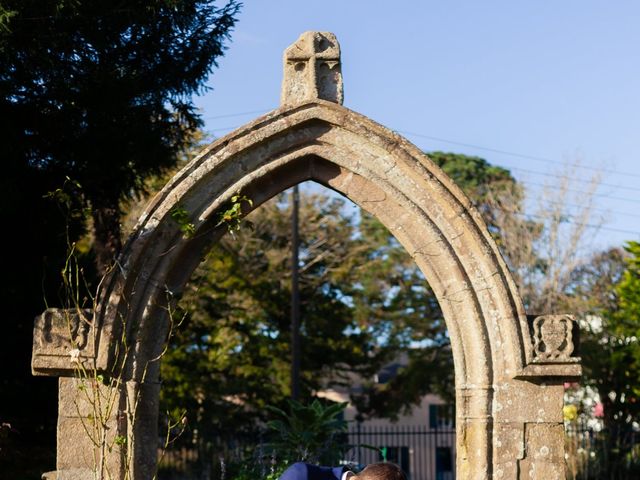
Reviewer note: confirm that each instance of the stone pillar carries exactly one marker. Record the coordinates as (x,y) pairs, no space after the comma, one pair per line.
(527,410)
(92,426)
(91,433)
(472,434)
(529,430)
(142,413)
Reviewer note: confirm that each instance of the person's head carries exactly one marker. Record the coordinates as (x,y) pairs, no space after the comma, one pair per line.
(381,471)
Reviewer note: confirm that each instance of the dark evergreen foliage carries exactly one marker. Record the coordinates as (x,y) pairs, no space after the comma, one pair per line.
(98,92)
(101,92)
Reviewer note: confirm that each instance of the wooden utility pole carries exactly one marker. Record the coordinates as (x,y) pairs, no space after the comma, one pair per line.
(295,296)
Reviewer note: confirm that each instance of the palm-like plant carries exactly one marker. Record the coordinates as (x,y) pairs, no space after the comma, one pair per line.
(309,433)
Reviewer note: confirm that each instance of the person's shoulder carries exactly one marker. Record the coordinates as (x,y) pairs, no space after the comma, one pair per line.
(297,471)
(306,471)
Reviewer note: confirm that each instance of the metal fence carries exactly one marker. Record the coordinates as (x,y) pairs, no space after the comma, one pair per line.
(602,454)
(210,460)
(424,453)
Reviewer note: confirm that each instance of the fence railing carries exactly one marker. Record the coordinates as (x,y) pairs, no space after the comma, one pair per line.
(424,453)
(602,454)
(210,459)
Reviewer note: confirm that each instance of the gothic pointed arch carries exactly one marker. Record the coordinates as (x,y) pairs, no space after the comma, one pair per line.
(509,368)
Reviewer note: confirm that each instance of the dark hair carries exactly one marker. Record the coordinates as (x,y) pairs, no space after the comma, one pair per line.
(382,471)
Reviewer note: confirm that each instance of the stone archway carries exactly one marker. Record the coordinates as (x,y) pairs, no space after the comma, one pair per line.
(509,368)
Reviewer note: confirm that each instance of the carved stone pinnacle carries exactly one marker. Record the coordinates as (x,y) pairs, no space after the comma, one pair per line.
(312,69)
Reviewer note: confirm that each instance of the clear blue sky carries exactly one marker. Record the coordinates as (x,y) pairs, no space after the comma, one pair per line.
(551,80)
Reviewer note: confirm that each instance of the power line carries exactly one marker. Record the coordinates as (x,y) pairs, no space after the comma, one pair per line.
(515,154)
(620,187)
(582,224)
(605,195)
(529,171)
(595,209)
(488,149)
(221,129)
(231,115)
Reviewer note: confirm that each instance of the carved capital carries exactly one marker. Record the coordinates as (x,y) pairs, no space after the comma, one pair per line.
(62,340)
(554,348)
(312,69)
(553,338)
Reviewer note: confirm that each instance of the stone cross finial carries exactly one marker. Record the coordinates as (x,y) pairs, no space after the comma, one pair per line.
(312,69)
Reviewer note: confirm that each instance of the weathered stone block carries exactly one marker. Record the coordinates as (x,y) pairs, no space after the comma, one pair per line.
(82,439)
(544,455)
(62,340)
(509,447)
(524,401)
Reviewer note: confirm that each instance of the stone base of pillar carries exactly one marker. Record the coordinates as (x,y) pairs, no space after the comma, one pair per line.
(91,434)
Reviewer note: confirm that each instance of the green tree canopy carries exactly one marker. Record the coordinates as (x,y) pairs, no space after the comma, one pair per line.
(231,355)
(610,343)
(606,295)
(629,294)
(364,303)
